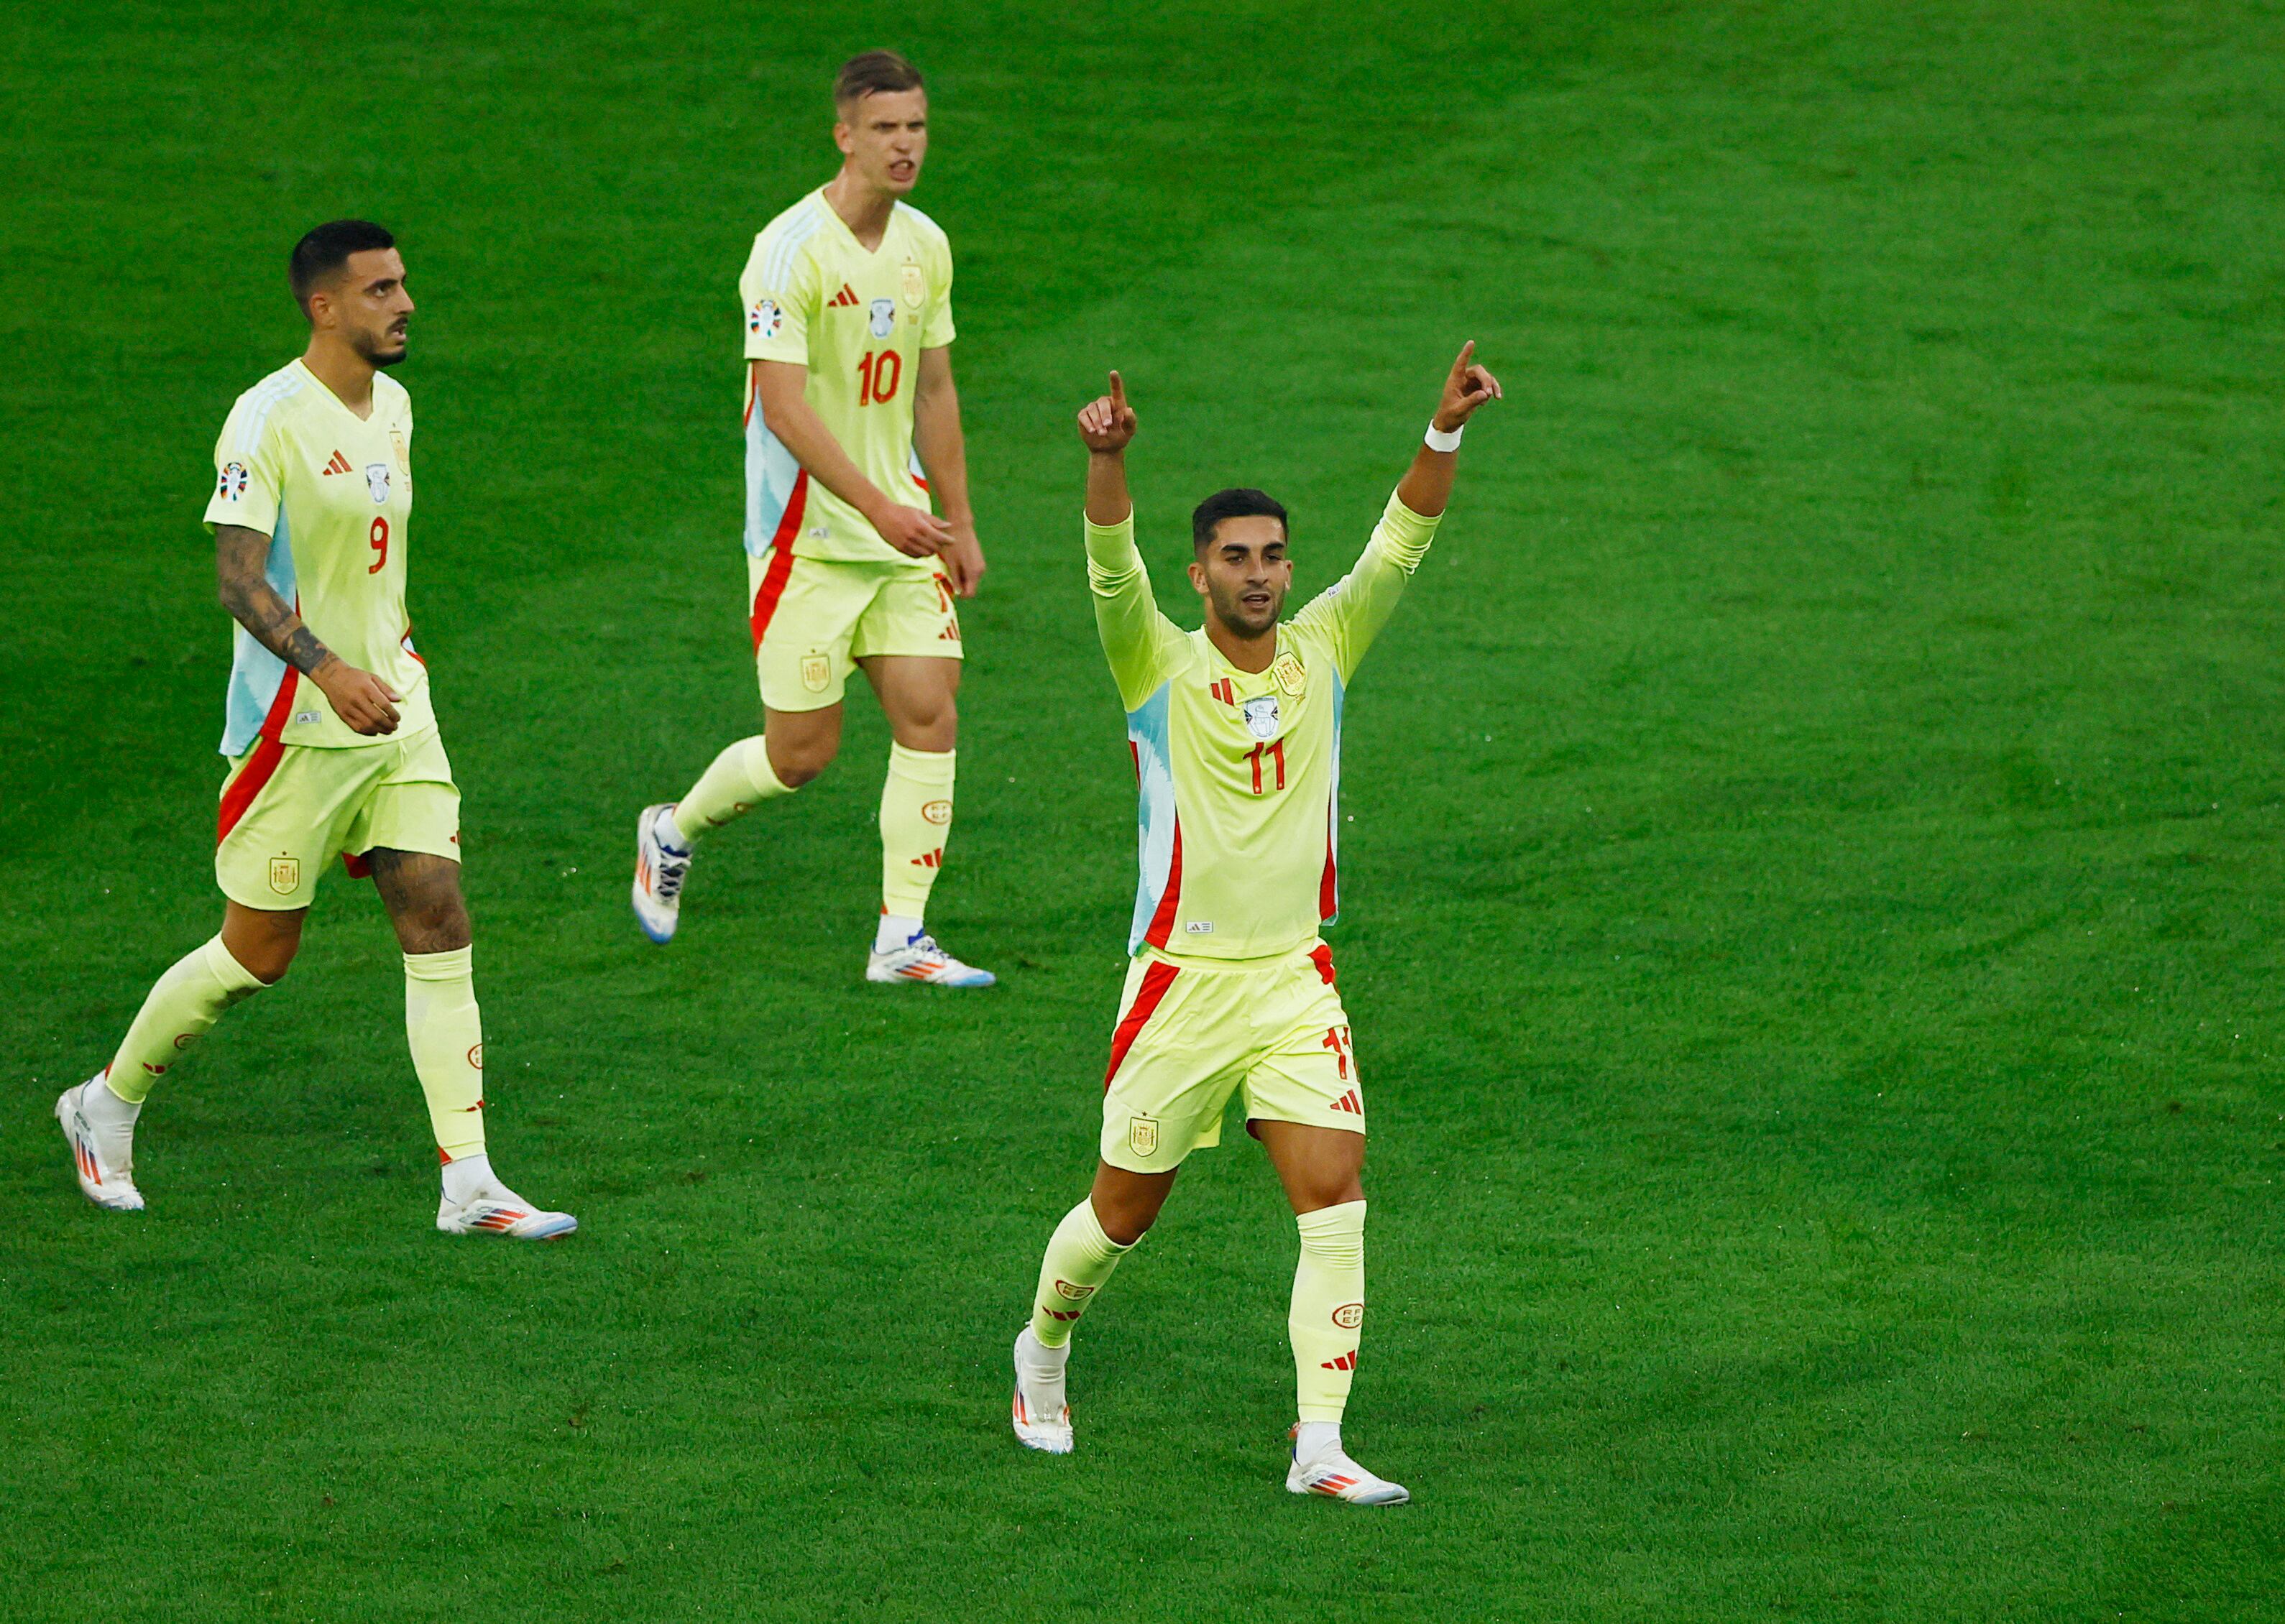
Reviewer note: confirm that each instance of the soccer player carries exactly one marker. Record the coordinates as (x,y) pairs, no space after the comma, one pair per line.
(852,424)
(1236,735)
(331,737)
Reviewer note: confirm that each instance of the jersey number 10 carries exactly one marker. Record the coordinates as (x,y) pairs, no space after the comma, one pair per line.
(878,377)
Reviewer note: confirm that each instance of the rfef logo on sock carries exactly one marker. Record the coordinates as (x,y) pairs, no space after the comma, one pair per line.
(1348,1316)
(1072,1293)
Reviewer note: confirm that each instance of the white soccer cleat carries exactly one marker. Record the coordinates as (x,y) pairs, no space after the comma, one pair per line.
(658,878)
(922,960)
(500,1211)
(103,1157)
(1331,1473)
(1040,1412)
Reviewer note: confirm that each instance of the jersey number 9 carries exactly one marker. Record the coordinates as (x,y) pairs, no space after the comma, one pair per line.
(378,540)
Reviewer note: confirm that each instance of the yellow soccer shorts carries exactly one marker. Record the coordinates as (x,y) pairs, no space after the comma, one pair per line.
(288,810)
(1190,1035)
(815,618)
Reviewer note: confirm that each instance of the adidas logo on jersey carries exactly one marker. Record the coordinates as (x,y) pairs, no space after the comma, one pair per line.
(1223,691)
(845,298)
(339,464)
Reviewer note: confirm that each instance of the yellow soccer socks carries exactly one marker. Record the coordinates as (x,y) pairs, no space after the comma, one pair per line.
(181,1008)
(447,1040)
(1079,1259)
(915,815)
(1328,1312)
(740,779)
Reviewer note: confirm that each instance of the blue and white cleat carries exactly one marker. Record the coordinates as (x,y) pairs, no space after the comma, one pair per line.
(103,1150)
(1330,1473)
(922,960)
(500,1211)
(659,874)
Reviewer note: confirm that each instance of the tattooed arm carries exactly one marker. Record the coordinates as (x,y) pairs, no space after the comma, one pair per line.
(360,698)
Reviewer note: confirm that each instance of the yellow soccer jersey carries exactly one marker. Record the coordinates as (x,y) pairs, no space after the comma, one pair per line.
(333,492)
(1240,771)
(859,322)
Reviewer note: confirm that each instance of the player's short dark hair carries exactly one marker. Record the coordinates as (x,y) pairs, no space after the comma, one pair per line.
(322,252)
(1244,502)
(872,73)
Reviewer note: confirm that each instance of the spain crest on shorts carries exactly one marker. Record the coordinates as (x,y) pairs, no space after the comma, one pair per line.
(284,876)
(1142,1135)
(816,672)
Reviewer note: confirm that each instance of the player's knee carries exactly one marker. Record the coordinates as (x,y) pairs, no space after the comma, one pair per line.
(1126,1226)
(934,730)
(798,770)
(267,961)
(438,926)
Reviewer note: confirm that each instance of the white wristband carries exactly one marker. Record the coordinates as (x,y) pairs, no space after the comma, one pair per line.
(1438,441)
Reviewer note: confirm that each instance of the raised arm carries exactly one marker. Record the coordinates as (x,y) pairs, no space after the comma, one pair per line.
(1141,643)
(359,697)
(1352,612)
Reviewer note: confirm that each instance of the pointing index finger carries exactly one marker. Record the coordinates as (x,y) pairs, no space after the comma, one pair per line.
(1118,391)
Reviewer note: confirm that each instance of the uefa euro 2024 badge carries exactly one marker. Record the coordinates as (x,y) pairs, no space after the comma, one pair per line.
(885,317)
(764,319)
(1261,716)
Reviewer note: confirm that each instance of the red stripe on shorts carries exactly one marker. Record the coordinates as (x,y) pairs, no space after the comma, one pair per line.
(1322,956)
(1156,980)
(773,578)
(267,753)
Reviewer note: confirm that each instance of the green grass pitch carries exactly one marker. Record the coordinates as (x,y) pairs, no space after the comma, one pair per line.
(1814,889)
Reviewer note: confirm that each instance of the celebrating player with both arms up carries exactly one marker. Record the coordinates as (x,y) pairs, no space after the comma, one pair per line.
(1236,735)
(850,418)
